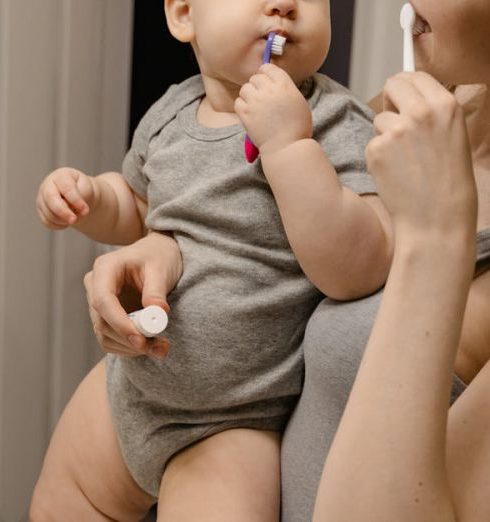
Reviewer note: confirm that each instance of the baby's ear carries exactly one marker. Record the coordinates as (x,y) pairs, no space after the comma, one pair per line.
(179,19)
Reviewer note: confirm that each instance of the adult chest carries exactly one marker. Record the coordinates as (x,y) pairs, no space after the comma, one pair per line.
(474,349)
(482,177)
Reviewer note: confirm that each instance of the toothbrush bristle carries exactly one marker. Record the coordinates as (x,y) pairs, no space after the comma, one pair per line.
(278,44)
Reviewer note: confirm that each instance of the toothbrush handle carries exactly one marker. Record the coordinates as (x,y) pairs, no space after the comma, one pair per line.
(251,151)
(408,52)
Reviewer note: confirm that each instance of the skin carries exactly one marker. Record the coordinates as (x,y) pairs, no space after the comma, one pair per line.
(456,47)
(416,460)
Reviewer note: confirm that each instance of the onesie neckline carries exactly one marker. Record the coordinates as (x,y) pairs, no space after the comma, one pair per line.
(187,118)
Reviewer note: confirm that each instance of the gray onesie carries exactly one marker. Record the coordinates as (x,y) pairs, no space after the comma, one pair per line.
(334,343)
(239,311)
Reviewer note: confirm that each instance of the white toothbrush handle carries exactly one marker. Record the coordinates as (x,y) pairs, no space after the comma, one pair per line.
(408,52)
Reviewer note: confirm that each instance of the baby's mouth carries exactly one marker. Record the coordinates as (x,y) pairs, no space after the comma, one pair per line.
(280,32)
(421,26)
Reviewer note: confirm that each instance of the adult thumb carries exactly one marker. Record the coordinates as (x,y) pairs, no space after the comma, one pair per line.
(154,291)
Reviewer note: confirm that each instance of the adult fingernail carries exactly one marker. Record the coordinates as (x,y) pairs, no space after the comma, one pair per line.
(135,341)
(159,352)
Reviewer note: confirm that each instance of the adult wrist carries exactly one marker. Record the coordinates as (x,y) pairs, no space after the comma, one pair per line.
(436,247)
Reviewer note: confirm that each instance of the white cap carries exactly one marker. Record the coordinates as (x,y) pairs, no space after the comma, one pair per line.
(150,321)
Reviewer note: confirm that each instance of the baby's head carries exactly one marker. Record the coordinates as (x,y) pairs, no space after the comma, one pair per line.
(228,36)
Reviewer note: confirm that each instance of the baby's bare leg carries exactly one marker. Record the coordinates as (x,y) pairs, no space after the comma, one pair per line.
(233,475)
(84,476)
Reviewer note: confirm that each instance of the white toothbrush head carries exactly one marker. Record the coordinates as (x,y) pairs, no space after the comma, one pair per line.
(274,45)
(407,21)
(278,44)
(407,17)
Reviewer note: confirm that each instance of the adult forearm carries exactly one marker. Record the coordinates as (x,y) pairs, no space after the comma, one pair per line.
(336,236)
(114,217)
(390,446)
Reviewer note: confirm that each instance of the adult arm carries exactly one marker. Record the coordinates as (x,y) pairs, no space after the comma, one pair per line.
(388,459)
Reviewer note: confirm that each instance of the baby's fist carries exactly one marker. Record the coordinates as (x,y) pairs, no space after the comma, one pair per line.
(64,197)
(273,110)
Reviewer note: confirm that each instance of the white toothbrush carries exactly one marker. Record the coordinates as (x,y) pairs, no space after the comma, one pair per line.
(407,21)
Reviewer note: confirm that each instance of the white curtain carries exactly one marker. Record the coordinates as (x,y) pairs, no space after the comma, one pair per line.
(377,45)
(64,91)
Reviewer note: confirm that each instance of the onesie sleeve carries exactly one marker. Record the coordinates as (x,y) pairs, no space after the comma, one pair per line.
(135,159)
(343,127)
(150,126)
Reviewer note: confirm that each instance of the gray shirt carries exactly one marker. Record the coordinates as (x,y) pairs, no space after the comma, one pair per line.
(334,344)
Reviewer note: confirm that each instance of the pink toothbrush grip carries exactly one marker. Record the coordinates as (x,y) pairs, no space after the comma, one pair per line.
(251,151)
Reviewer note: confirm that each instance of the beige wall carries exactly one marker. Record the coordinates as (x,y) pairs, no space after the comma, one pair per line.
(64,84)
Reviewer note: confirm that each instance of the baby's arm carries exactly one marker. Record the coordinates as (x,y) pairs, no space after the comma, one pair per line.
(342,241)
(104,207)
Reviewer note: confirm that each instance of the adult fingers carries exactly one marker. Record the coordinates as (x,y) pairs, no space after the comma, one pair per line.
(109,340)
(386,121)
(155,289)
(400,94)
(428,86)
(103,285)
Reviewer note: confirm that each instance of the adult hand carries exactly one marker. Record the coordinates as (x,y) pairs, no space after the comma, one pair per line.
(421,159)
(151,266)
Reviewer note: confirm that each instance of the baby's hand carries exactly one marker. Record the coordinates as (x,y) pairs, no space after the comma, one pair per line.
(64,197)
(273,110)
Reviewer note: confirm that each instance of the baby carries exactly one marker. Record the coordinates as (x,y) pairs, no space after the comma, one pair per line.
(240,308)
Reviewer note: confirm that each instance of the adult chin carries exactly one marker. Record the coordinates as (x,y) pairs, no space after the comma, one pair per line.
(446,58)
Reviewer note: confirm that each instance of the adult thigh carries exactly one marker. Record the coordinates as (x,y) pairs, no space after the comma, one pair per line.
(84,476)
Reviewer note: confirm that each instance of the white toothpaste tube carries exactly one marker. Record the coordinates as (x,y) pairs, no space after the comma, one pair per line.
(150,321)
